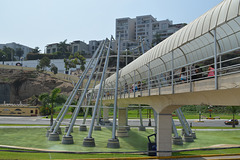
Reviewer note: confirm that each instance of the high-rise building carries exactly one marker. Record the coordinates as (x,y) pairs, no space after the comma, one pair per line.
(126,28)
(146,28)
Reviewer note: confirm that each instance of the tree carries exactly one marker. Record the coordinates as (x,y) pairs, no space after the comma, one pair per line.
(74,60)
(44,62)
(19,52)
(234,111)
(51,100)
(44,99)
(82,62)
(63,47)
(157,39)
(36,50)
(9,53)
(2,55)
(54,69)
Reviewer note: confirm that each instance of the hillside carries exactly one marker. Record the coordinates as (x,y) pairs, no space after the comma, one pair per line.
(18,85)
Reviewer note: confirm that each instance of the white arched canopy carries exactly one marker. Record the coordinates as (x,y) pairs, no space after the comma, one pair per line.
(190,44)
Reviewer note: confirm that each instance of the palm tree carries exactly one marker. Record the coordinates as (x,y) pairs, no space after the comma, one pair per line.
(63,46)
(36,50)
(157,39)
(234,111)
(19,52)
(51,99)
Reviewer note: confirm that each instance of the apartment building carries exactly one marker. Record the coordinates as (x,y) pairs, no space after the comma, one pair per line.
(93,45)
(79,46)
(75,46)
(15,46)
(126,28)
(144,27)
(52,48)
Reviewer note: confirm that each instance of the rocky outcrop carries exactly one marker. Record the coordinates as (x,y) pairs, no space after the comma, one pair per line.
(24,84)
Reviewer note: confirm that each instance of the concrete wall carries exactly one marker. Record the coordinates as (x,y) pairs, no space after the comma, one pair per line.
(4,93)
(59,63)
(19,110)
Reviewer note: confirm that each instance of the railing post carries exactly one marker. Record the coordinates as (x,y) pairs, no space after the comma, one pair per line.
(134,85)
(215,58)
(190,77)
(220,65)
(149,79)
(172,73)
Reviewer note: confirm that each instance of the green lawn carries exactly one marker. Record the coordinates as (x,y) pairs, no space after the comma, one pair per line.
(17,155)
(137,141)
(208,152)
(134,114)
(35,138)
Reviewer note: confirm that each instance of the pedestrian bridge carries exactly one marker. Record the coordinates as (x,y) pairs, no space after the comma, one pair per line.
(157,78)
(199,64)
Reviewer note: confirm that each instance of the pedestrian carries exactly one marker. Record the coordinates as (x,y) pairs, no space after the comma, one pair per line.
(211,71)
(183,76)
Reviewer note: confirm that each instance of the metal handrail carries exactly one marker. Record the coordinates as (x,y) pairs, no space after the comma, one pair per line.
(164,79)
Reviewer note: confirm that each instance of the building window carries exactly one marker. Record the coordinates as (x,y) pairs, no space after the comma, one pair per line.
(31,111)
(164,26)
(75,49)
(18,110)
(6,109)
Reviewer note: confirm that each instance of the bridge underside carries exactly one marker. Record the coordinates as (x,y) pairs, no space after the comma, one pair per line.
(203,93)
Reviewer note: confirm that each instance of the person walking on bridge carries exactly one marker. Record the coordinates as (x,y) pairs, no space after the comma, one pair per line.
(211,71)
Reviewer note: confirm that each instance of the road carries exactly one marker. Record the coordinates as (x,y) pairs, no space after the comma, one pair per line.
(132,122)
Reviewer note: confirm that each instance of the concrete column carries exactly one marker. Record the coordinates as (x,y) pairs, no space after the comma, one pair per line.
(127,126)
(105,114)
(164,134)
(122,121)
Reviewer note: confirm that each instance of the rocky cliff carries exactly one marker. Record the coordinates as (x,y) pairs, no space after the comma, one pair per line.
(19,85)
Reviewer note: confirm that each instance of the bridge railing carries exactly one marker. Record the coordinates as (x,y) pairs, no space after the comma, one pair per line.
(227,63)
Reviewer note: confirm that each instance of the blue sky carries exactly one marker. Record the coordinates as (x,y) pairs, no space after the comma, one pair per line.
(36,23)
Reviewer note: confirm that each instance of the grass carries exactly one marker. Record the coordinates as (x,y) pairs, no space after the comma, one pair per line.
(17,155)
(137,141)
(134,114)
(196,116)
(212,138)
(208,152)
(35,138)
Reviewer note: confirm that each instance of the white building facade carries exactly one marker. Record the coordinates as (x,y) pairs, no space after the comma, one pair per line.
(143,27)
(15,46)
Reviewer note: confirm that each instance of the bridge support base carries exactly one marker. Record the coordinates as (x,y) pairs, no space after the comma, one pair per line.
(122,132)
(59,130)
(53,137)
(67,139)
(89,142)
(188,138)
(66,129)
(97,128)
(113,143)
(142,128)
(177,140)
(83,127)
(194,135)
(48,132)
(128,128)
